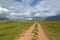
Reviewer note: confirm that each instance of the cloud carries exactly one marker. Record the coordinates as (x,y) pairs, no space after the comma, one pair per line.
(54,4)
(3,10)
(26,9)
(29,18)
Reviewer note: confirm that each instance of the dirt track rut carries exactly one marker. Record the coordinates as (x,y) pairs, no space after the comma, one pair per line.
(41,33)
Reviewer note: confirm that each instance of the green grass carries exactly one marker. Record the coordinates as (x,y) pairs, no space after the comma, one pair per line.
(52,29)
(9,30)
(35,33)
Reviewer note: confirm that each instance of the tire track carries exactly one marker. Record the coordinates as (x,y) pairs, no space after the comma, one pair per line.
(41,33)
(28,33)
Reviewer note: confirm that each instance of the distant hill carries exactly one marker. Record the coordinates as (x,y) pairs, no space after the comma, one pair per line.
(3,18)
(33,18)
(48,18)
(53,18)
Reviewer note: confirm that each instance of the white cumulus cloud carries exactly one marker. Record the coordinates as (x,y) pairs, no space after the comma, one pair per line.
(14,9)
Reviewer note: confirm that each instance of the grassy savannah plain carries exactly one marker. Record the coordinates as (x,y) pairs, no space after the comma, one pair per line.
(9,30)
(52,29)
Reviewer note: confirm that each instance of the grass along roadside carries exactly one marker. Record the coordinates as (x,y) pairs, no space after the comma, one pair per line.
(11,30)
(35,33)
(52,29)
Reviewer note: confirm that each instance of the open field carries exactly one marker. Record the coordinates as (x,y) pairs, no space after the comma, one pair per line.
(52,29)
(12,30)
(9,30)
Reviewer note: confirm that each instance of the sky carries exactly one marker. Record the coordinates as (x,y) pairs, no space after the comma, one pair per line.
(26,9)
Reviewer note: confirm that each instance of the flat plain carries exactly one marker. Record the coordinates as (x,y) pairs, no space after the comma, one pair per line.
(12,30)
(9,30)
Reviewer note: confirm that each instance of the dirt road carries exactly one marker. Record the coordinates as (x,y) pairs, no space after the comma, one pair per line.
(28,33)
(41,33)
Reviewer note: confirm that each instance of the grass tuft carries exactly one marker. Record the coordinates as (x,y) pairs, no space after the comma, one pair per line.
(35,33)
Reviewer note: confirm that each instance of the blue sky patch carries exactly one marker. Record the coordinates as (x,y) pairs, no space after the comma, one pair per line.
(35,2)
(18,0)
